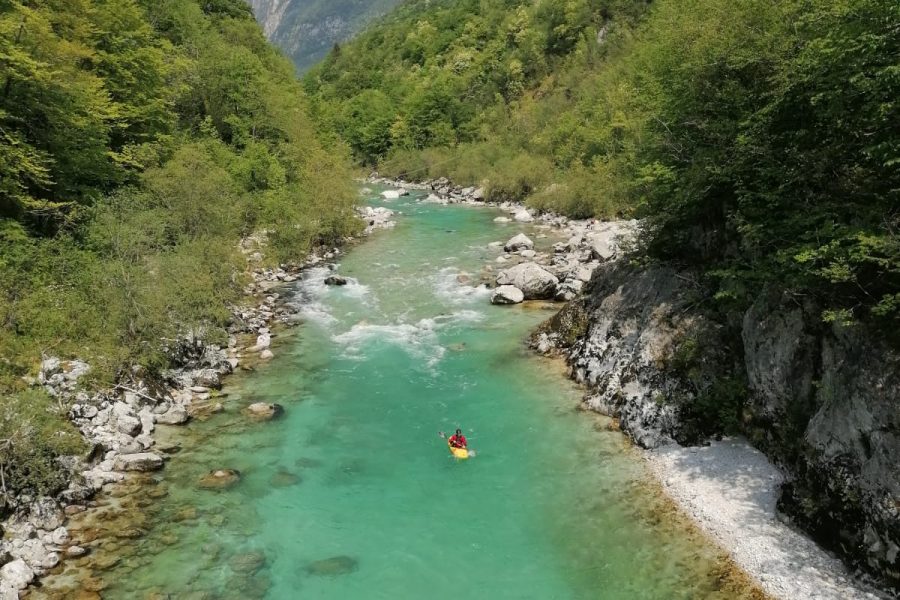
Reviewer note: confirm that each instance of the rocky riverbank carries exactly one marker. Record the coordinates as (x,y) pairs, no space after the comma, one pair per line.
(120,424)
(671,372)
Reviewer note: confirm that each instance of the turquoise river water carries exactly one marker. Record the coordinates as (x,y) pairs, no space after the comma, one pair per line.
(352,493)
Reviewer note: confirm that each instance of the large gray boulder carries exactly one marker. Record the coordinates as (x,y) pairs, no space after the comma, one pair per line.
(16,574)
(535,282)
(519,242)
(507,294)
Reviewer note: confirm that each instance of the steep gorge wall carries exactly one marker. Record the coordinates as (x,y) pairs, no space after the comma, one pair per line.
(306,30)
(821,401)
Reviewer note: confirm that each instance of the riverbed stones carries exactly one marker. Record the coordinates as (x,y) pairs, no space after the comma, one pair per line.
(141,462)
(266,355)
(263,341)
(507,294)
(535,282)
(220,479)
(247,563)
(16,575)
(331,567)
(519,242)
(283,479)
(177,415)
(264,411)
(76,551)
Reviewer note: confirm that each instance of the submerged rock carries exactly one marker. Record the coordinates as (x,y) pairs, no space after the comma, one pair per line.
(220,479)
(330,567)
(283,479)
(263,411)
(141,462)
(248,562)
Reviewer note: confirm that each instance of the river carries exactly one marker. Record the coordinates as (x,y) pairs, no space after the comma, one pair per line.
(352,494)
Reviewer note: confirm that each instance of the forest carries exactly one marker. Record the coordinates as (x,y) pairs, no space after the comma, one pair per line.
(140,140)
(757,140)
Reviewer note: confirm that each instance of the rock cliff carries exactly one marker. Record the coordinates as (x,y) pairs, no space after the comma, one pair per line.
(822,401)
(306,30)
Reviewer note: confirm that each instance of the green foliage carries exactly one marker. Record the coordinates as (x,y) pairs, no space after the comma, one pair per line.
(139,141)
(758,140)
(33,436)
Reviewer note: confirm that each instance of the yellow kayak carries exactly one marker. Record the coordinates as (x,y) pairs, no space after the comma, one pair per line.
(458,452)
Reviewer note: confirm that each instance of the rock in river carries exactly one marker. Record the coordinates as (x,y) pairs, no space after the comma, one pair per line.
(142,461)
(535,282)
(335,280)
(221,479)
(507,294)
(336,565)
(519,242)
(264,411)
(248,562)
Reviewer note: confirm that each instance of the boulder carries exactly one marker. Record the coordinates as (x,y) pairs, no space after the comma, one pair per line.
(519,242)
(17,574)
(220,479)
(336,565)
(37,556)
(141,462)
(266,355)
(263,341)
(535,282)
(478,195)
(264,411)
(247,563)
(502,220)
(128,425)
(176,415)
(208,378)
(528,254)
(335,280)
(523,216)
(507,294)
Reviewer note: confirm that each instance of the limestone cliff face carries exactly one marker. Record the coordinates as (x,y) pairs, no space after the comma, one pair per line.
(821,401)
(307,29)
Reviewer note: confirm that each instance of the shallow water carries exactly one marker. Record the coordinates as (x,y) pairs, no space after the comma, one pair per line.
(554,505)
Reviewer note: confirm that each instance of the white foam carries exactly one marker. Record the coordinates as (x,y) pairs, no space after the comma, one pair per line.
(447,287)
(311,292)
(419,340)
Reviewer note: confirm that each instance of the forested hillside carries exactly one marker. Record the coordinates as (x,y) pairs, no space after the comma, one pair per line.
(139,141)
(760,140)
(306,30)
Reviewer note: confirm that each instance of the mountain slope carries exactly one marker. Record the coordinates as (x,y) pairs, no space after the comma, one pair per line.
(307,29)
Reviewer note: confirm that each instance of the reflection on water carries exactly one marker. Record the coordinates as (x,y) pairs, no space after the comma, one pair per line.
(352,494)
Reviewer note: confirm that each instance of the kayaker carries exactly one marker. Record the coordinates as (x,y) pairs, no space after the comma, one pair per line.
(458,440)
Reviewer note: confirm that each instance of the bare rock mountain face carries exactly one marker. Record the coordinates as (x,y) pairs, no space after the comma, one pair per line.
(307,29)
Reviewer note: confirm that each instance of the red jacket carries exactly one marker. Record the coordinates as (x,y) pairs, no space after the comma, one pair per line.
(458,441)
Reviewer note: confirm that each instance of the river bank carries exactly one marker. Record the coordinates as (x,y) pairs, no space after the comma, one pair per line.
(121,424)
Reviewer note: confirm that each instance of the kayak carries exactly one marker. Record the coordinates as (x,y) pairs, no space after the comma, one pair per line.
(458,452)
